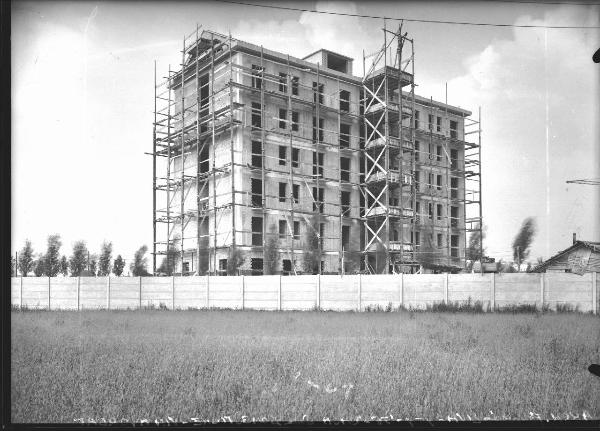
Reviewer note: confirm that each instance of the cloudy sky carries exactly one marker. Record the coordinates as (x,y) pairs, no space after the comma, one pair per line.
(82,100)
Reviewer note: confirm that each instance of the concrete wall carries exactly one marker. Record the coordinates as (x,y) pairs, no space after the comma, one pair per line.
(327,292)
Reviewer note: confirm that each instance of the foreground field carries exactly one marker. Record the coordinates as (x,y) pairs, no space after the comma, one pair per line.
(147,365)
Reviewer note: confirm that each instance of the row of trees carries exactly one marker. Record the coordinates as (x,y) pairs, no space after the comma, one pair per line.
(521,247)
(80,263)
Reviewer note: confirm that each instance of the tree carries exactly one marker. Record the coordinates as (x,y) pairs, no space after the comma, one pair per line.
(139,266)
(311,256)
(523,240)
(118,266)
(78,260)
(271,251)
(104,260)
(39,266)
(52,257)
(352,262)
(26,259)
(473,249)
(64,266)
(506,267)
(93,265)
(13,266)
(426,254)
(380,257)
(169,262)
(235,259)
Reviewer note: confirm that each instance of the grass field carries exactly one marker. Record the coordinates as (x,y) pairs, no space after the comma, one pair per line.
(194,365)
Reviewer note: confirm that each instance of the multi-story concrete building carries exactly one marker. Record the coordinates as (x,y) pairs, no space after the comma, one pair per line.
(275,171)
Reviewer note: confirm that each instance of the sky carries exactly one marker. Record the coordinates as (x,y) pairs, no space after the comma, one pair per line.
(82,101)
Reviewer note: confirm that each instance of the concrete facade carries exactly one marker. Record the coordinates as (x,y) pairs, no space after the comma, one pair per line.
(255,162)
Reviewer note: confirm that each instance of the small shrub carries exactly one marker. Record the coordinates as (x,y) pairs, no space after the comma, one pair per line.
(521,308)
(566,308)
(456,307)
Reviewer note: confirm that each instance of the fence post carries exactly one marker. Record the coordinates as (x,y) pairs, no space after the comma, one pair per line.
(173,292)
(542,290)
(359,292)
(78,292)
(595,292)
(108,293)
(243,290)
(318,291)
(279,295)
(49,281)
(140,277)
(445,288)
(493,291)
(207,287)
(21,293)
(401,289)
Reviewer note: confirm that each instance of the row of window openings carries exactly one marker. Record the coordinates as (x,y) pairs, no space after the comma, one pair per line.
(440,243)
(438,124)
(318,160)
(438,156)
(257,266)
(439,212)
(344,132)
(318,89)
(436,181)
(318,196)
(283,232)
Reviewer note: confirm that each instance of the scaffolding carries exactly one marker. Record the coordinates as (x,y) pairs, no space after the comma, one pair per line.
(389,158)
(208,109)
(189,125)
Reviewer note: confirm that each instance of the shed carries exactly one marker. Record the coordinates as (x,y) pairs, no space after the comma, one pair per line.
(581,257)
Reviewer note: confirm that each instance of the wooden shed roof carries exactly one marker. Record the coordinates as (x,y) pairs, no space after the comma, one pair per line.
(592,245)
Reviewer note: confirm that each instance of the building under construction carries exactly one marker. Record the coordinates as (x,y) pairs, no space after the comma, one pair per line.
(266,163)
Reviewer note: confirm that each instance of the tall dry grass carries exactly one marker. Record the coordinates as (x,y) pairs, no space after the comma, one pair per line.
(300,365)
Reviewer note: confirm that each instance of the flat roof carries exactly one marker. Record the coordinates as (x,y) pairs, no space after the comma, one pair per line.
(301,63)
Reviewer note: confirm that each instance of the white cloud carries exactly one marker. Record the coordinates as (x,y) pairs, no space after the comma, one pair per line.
(518,82)
(342,34)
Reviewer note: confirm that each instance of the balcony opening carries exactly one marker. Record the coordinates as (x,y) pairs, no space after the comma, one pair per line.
(345,101)
(256,192)
(256,266)
(282,192)
(257,154)
(257,225)
(282,229)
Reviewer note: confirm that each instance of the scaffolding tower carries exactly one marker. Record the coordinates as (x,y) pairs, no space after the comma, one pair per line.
(389,158)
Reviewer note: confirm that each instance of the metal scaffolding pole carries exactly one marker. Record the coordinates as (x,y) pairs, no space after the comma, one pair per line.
(214,149)
(182,216)
(154,180)
(480,193)
(262,149)
(198,154)
(233,227)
